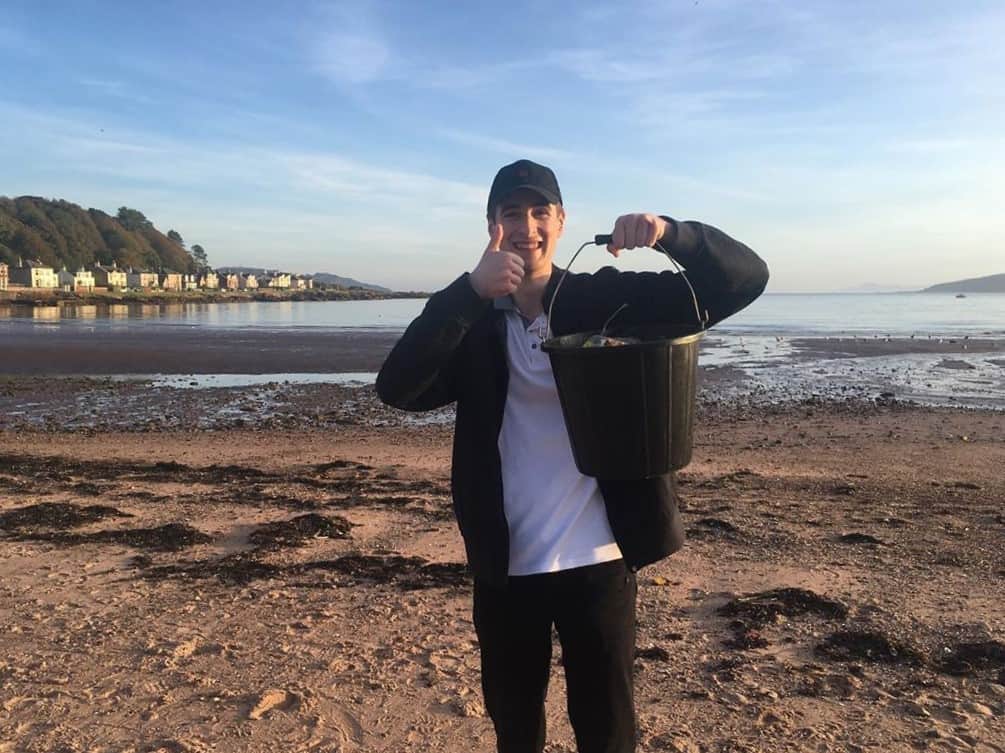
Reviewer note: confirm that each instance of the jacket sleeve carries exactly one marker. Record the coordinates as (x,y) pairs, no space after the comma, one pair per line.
(418,374)
(725,274)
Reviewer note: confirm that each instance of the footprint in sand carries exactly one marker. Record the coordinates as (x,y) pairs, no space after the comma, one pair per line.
(348,732)
(271,699)
(332,724)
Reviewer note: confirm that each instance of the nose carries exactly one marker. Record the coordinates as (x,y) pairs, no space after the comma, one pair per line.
(528,224)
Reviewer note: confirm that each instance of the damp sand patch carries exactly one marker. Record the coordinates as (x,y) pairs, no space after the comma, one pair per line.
(765,607)
(55,516)
(171,537)
(405,573)
(299,531)
(862,645)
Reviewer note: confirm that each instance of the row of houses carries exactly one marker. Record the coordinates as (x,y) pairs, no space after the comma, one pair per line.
(34,274)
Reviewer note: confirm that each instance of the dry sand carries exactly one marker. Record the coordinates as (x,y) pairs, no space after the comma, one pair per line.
(298,585)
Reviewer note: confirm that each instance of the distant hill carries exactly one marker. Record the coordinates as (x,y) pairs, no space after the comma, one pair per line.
(347,282)
(871,287)
(62,234)
(323,278)
(989,284)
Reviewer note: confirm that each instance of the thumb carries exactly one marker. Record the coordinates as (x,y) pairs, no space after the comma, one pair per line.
(495,237)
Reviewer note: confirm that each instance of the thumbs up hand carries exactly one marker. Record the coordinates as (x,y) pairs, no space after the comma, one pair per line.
(498,272)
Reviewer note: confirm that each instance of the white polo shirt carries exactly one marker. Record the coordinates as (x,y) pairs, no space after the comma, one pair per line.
(556,515)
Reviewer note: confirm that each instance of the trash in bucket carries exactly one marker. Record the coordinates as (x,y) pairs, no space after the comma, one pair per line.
(628,401)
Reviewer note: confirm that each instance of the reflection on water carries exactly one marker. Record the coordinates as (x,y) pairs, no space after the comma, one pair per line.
(45,313)
(82,311)
(206,381)
(791,315)
(377,314)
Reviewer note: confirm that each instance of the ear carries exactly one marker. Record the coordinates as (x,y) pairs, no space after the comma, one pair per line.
(561,219)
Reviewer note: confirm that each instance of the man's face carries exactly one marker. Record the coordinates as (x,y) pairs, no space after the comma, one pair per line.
(531,229)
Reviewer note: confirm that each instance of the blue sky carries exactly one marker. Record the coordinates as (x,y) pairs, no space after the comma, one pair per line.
(847,142)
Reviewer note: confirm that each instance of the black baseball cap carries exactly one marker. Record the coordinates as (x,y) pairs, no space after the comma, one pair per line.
(523,174)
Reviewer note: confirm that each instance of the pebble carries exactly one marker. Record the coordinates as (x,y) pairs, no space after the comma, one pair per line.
(993,688)
(670,741)
(916,709)
(734,699)
(769,718)
(979,708)
(766,693)
(953,717)
(467,708)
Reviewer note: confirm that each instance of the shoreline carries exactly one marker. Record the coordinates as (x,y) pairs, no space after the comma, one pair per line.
(28,297)
(960,371)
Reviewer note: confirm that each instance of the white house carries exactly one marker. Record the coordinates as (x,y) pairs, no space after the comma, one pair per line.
(171,281)
(34,274)
(80,281)
(276,280)
(142,280)
(111,277)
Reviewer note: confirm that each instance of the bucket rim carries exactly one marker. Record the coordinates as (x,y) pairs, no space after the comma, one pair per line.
(551,345)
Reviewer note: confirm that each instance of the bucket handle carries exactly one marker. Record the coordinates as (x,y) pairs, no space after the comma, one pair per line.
(603,240)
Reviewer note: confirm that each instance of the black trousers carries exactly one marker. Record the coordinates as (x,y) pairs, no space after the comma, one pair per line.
(593,610)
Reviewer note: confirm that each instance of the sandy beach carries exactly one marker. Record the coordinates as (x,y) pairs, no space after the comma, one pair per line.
(275,567)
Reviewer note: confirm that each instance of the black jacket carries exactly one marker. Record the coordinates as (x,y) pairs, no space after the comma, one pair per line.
(455,352)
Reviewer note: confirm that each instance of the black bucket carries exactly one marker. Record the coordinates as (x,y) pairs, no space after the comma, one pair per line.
(629,409)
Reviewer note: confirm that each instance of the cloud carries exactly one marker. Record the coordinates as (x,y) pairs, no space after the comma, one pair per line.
(114,88)
(348,45)
(103,85)
(932,145)
(14,40)
(352,179)
(544,153)
(352,58)
(108,147)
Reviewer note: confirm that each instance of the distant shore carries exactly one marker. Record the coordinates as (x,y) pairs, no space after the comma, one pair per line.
(36,297)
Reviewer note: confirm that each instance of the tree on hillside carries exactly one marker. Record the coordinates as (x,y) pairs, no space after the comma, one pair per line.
(175,236)
(133,219)
(199,254)
(60,233)
(172,256)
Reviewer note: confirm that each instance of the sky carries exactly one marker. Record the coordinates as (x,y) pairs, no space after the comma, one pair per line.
(848,143)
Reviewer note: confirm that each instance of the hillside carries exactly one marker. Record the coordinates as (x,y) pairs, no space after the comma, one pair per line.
(60,233)
(988,284)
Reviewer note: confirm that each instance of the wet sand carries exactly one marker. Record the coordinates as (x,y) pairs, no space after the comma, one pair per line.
(183,350)
(276,567)
(106,350)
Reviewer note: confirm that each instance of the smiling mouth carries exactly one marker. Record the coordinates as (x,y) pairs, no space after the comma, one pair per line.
(527,246)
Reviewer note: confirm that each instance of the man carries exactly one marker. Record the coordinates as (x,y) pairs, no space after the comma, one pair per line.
(547,545)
